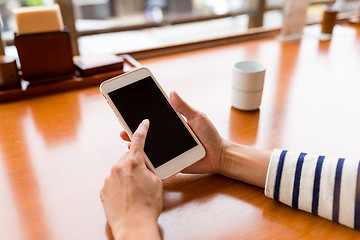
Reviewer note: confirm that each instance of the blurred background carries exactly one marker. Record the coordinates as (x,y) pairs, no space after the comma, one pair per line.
(125,26)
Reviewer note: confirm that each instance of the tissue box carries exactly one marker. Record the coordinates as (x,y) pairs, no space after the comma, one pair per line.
(45,56)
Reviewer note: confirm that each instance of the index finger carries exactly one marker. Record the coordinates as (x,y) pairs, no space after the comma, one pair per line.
(139,137)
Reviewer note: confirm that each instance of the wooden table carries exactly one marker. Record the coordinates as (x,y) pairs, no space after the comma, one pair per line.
(55,151)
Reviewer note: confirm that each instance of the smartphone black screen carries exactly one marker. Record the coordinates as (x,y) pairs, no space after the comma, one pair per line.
(167,136)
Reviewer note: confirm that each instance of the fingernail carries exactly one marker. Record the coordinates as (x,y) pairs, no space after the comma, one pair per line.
(145,121)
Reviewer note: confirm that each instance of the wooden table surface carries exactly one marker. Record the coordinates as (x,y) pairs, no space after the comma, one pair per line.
(55,151)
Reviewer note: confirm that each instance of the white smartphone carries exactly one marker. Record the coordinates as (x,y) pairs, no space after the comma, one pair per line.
(170,144)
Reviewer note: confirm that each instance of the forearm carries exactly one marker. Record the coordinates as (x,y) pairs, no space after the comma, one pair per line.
(246,164)
(325,186)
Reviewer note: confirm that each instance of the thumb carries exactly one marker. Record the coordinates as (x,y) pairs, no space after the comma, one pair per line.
(181,106)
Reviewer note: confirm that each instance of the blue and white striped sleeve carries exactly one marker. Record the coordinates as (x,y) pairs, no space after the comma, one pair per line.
(325,186)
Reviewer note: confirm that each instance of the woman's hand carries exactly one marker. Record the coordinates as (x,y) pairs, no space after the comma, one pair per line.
(203,128)
(232,160)
(132,194)
(213,143)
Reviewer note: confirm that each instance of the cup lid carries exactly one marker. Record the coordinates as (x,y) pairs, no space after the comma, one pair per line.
(249,66)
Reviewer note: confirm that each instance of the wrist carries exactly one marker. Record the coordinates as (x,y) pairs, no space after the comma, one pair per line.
(244,163)
(225,160)
(232,161)
(136,226)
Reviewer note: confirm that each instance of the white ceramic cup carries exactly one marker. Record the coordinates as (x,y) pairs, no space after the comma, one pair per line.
(247,85)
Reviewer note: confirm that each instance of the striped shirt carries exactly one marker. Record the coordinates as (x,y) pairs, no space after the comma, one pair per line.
(325,186)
